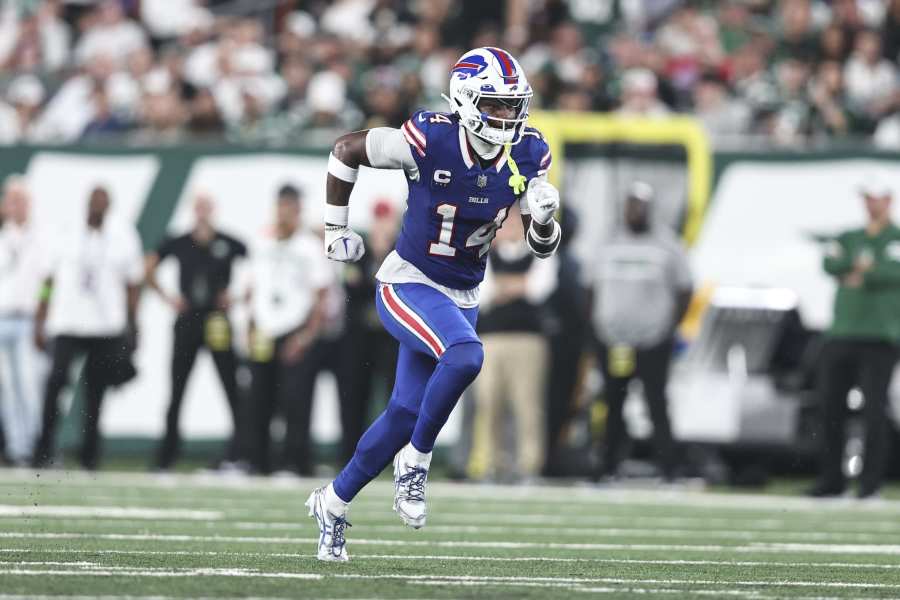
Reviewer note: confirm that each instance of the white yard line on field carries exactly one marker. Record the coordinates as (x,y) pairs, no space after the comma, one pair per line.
(130,572)
(585,529)
(886,549)
(108,512)
(576,587)
(60,597)
(191,572)
(376,510)
(458,557)
(464,491)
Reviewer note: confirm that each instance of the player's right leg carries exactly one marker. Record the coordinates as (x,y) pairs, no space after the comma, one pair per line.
(378,445)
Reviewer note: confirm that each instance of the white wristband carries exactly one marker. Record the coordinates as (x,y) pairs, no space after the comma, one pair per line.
(337,215)
(340,170)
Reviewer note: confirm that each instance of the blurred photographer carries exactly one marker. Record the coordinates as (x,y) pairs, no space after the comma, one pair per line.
(860,347)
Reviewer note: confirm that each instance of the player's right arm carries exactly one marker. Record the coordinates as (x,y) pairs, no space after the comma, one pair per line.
(379,148)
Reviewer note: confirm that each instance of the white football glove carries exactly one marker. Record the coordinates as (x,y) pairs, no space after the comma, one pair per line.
(543,200)
(343,244)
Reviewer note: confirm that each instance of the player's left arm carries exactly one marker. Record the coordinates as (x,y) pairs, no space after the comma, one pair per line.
(542,231)
(541,199)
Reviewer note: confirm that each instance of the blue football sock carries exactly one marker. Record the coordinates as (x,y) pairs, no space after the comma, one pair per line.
(376,449)
(456,369)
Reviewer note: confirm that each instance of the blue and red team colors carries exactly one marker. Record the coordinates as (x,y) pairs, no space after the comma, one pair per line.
(452,215)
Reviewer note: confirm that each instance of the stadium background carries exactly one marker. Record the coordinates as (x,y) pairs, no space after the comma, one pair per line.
(763,120)
(749,167)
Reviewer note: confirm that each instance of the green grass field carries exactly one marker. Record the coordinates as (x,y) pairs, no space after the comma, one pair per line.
(118,536)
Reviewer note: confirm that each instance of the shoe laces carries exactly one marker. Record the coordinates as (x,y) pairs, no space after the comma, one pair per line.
(337,535)
(414,483)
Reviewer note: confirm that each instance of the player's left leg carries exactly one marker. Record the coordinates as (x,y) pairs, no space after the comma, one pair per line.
(425,319)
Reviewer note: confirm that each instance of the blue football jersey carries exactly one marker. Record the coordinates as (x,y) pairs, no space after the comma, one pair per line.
(456,206)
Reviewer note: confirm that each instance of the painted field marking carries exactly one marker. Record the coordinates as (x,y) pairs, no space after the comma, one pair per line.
(129,572)
(464,491)
(190,572)
(463,557)
(108,512)
(378,511)
(886,549)
(587,530)
(72,597)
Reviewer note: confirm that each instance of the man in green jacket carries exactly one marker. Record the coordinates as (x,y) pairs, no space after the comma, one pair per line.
(861,346)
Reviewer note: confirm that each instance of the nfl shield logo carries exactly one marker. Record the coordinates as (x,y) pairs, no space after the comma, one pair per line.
(481,181)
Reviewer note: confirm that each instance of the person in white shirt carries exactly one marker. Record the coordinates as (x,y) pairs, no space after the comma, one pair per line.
(291,277)
(87,307)
(112,34)
(19,284)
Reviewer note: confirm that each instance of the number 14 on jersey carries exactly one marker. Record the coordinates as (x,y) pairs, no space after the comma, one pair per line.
(483,236)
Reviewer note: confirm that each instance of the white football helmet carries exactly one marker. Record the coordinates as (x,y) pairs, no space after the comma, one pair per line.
(489,73)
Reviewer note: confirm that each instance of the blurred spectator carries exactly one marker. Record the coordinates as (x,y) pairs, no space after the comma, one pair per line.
(162,118)
(168,19)
(369,352)
(511,326)
(890,32)
(334,67)
(205,120)
(291,278)
(33,39)
(88,307)
(797,36)
(205,258)
(639,95)
(734,21)
(791,119)
(642,287)
(110,33)
(17,118)
(833,44)
(20,280)
(103,123)
(70,110)
(861,345)
(871,80)
(690,40)
(725,119)
(832,117)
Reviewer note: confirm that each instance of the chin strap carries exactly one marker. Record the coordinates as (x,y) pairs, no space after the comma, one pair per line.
(516,180)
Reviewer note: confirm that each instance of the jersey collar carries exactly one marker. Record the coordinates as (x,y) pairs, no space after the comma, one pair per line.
(468,153)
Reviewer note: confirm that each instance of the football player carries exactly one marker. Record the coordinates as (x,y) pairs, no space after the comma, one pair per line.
(464,169)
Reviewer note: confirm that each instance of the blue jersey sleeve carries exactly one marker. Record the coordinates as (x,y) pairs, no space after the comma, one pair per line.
(537,157)
(421,127)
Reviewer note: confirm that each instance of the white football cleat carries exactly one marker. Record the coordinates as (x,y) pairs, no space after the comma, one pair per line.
(332,545)
(410,476)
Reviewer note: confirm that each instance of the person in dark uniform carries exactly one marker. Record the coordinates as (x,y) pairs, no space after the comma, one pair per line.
(205,257)
(861,345)
(366,342)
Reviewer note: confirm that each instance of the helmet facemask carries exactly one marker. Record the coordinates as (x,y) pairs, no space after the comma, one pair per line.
(474,85)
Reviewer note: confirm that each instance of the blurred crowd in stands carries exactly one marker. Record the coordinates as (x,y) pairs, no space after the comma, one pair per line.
(289,72)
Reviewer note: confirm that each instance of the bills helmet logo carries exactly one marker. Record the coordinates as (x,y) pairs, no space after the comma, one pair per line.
(469,66)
